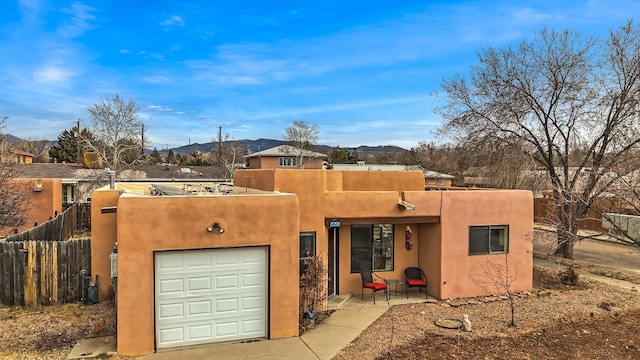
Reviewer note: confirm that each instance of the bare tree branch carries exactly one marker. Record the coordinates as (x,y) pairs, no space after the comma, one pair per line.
(117,132)
(573,109)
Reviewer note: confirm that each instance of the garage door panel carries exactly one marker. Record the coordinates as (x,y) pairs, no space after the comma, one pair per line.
(226,305)
(169,263)
(226,260)
(172,335)
(252,303)
(171,286)
(205,296)
(197,308)
(226,282)
(252,326)
(199,284)
(200,332)
(197,260)
(227,329)
(252,280)
(171,311)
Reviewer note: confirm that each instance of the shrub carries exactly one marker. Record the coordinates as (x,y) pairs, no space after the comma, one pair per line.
(569,276)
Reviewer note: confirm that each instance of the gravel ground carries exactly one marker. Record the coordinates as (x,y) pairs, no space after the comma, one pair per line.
(566,314)
(550,305)
(50,332)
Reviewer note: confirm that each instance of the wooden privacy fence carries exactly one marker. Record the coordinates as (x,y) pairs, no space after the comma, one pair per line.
(82,216)
(42,272)
(59,228)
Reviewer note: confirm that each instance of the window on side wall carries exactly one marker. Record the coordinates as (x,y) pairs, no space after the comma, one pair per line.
(371,247)
(286,161)
(489,239)
(307,249)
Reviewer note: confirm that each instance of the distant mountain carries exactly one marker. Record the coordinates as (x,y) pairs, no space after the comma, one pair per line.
(263,144)
(12,139)
(257,145)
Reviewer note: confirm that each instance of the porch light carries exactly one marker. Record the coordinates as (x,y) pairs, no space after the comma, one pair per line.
(215,225)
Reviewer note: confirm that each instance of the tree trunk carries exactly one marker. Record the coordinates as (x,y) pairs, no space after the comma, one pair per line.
(565,246)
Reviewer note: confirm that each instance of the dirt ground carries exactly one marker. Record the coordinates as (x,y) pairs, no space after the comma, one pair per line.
(587,321)
(557,321)
(605,258)
(554,321)
(50,332)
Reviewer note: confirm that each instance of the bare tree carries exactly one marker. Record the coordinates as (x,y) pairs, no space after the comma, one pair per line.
(303,138)
(499,277)
(12,194)
(229,154)
(39,149)
(117,132)
(554,95)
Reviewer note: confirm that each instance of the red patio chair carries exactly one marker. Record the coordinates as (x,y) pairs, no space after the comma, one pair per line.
(415,277)
(368,283)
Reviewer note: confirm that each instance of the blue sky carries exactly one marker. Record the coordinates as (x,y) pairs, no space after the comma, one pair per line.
(363,71)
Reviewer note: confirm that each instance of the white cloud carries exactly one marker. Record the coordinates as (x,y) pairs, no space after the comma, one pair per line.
(174,20)
(531,15)
(335,107)
(80,21)
(159,79)
(30,10)
(52,75)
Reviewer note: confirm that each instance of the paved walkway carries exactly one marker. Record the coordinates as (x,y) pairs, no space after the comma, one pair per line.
(350,318)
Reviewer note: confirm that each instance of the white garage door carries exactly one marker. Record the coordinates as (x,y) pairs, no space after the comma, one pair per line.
(205,296)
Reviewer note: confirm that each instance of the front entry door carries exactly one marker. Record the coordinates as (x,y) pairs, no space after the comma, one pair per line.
(332,266)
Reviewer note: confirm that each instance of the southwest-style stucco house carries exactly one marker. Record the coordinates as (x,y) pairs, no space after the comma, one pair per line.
(284,156)
(203,269)
(19,157)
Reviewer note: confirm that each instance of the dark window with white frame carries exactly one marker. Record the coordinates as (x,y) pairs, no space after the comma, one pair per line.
(490,239)
(287,161)
(371,247)
(307,249)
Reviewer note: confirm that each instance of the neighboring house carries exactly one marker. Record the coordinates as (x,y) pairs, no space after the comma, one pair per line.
(20,157)
(284,156)
(205,269)
(43,201)
(63,184)
(76,181)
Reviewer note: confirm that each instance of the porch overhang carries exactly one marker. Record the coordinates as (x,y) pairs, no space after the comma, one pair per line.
(384,220)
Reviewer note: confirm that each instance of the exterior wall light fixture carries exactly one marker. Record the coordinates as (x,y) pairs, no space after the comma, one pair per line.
(37,187)
(215,225)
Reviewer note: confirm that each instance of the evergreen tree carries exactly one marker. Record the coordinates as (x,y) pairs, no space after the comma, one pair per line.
(66,149)
(155,157)
(171,158)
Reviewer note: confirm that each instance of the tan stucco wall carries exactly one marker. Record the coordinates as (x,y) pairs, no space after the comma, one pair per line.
(382,180)
(180,223)
(103,237)
(430,256)
(461,209)
(40,205)
(440,249)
